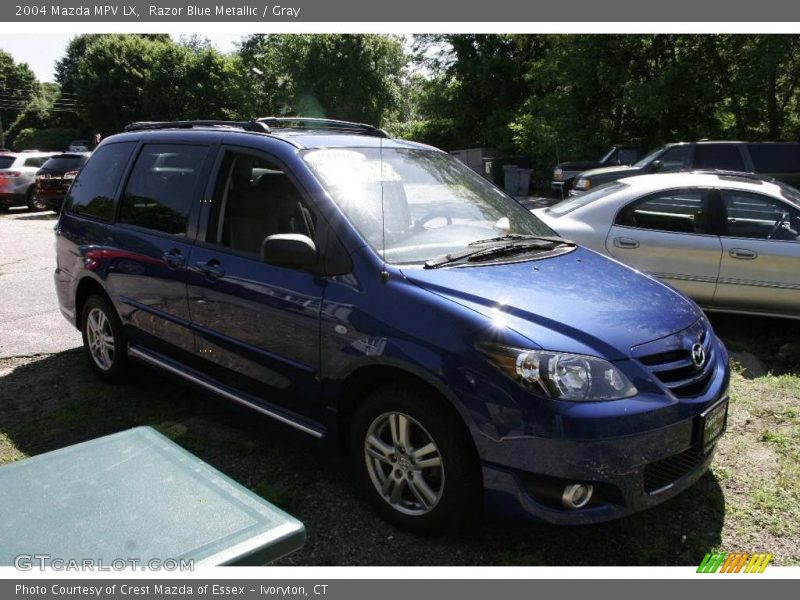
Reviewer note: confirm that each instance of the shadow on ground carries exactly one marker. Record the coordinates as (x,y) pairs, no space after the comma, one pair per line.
(53,401)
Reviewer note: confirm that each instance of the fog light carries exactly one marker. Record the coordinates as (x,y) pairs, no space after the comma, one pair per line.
(576,495)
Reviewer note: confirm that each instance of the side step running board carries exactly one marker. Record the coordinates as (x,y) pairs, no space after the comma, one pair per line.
(167,365)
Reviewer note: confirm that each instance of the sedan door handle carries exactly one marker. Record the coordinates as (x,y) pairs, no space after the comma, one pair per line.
(211,268)
(173,258)
(626,242)
(743,253)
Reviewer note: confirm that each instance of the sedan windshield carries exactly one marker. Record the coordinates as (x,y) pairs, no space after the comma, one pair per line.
(418,204)
(650,157)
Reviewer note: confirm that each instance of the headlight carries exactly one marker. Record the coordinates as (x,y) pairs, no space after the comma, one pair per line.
(583,183)
(563,376)
(558,174)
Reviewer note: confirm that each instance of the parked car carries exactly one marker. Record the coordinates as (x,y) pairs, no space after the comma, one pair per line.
(780,160)
(17,179)
(79,146)
(564,173)
(379,292)
(55,176)
(728,240)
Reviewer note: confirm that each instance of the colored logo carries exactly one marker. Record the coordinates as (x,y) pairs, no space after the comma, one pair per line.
(734,562)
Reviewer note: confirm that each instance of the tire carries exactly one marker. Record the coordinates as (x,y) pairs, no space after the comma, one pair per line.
(107,354)
(34,203)
(431,498)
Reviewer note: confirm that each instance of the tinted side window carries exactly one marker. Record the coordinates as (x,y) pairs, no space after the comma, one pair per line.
(675,158)
(161,187)
(92,193)
(254,199)
(718,156)
(628,156)
(775,158)
(680,211)
(755,216)
(36,161)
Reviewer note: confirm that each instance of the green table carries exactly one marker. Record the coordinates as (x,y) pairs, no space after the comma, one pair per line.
(136,495)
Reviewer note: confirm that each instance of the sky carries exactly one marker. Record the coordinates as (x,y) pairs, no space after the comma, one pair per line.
(42,51)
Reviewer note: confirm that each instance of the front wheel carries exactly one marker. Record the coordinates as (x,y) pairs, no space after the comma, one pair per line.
(414,460)
(104,339)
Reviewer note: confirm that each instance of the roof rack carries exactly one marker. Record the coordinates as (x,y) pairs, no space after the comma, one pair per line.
(254,125)
(328,124)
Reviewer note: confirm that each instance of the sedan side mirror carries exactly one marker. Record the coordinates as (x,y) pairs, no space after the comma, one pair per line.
(289,250)
(655,166)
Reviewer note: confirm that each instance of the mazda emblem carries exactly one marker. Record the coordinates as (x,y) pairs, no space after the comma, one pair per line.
(698,355)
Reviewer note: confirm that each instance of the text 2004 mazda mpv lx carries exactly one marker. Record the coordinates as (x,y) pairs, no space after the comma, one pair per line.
(349,284)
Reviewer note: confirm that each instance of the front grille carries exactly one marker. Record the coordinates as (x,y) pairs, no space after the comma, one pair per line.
(666,471)
(675,369)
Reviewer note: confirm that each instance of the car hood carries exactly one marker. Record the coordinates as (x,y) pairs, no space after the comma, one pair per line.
(578,302)
(622,170)
(578,165)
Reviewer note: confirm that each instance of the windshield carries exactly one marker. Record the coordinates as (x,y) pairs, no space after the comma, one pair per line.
(570,204)
(650,157)
(432,203)
(608,155)
(64,163)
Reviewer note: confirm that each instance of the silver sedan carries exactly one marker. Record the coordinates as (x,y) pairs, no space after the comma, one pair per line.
(729,241)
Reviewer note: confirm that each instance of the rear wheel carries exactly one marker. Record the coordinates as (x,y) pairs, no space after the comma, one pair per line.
(34,203)
(104,339)
(414,460)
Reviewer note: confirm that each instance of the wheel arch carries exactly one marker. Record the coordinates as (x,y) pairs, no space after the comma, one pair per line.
(86,287)
(360,382)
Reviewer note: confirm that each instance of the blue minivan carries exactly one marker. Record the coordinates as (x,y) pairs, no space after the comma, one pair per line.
(378,293)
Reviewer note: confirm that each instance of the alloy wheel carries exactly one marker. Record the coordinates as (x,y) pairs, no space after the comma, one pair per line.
(404,463)
(100,338)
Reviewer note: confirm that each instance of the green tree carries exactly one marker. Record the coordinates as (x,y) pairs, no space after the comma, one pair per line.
(17,86)
(352,77)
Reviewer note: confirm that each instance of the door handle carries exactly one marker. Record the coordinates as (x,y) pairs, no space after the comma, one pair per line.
(211,268)
(743,253)
(173,258)
(625,242)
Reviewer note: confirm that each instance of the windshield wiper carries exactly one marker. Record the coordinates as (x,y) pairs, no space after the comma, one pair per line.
(525,244)
(521,236)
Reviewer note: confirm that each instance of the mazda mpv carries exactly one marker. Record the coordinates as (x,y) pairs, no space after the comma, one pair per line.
(377,293)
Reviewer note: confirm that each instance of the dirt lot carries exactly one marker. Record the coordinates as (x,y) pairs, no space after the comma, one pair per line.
(750,501)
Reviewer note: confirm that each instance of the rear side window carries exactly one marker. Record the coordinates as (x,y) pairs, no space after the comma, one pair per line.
(679,211)
(6,161)
(161,187)
(775,158)
(725,157)
(92,193)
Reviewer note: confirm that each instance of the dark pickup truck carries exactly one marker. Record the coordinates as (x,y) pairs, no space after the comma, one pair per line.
(564,173)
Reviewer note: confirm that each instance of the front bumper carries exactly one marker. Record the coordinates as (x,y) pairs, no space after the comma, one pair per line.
(619,469)
(636,462)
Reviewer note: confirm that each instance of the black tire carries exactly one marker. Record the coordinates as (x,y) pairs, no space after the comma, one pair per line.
(33,202)
(460,482)
(118,357)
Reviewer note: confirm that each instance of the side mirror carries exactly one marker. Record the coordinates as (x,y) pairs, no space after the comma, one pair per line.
(655,166)
(290,250)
